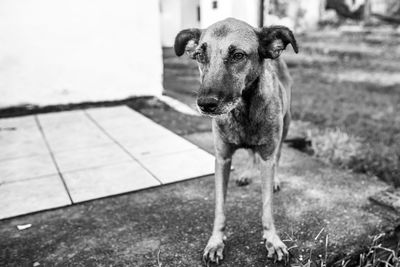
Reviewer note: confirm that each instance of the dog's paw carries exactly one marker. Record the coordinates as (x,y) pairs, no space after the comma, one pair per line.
(214,250)
(245,178)
(242,181)
(275,247)
(277,185)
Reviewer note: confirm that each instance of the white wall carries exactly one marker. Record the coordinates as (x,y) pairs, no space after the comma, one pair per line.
(177,15)
(182,14)
(247,10)
(210,15)
(311,14)
(61,51)
(170,20)
(189,14)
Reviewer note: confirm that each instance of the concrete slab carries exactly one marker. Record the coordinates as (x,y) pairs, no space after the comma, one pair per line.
(108,180)
(168,156)
(86,158)
(24,122)
(20,137)
(159,145)
(32,195)
(180,165)
(71,130)
(99,152)
(133,134)
(25,168)
(115,114)
(126,127)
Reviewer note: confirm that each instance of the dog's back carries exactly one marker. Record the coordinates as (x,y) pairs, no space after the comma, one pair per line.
(285,79)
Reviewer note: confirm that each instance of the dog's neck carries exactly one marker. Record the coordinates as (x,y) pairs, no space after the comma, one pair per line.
(250,100)
(260,88)
(250,90)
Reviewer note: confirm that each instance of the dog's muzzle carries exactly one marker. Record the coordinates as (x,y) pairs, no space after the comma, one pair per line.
(208,105)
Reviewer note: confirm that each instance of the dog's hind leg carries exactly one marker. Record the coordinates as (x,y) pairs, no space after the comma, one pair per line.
(250,170)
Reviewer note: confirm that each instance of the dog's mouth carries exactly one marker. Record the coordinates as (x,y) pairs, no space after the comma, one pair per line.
(218,109)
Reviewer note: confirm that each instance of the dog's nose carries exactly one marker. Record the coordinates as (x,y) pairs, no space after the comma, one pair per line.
(207,104)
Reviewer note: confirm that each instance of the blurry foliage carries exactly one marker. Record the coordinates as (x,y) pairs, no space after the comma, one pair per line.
(335,146)
(379,160)
(351,152)
(367,111)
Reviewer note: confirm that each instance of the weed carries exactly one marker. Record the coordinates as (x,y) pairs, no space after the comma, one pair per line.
(383,251)
(335,146)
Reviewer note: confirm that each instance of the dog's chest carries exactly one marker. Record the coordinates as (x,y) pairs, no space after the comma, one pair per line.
(250,127)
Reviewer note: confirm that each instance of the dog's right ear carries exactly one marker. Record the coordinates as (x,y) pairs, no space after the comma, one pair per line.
(274,39)
(186,40)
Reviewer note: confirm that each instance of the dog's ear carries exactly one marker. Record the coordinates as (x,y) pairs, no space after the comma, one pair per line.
(273,40)
(186,40)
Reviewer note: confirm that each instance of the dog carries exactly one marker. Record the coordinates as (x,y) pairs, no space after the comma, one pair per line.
(245,88)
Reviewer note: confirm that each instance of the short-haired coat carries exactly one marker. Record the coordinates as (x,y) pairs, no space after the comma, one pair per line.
(246,90)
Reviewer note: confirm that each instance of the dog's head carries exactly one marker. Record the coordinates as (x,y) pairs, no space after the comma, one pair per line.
(230,54)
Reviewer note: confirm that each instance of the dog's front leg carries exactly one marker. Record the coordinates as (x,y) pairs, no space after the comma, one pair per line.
(273,243)
(223,158)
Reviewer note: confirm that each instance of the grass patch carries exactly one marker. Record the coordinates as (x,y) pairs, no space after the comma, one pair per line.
(383,251)
(361,118)
(348,151)
(335,146)
(358,122)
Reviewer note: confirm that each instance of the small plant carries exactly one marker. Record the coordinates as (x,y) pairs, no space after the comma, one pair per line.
(308,254)
(347,151)
(383,251)
(335,146)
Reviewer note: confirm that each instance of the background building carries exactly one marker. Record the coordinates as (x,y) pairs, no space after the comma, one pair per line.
(181,14)
(59,51)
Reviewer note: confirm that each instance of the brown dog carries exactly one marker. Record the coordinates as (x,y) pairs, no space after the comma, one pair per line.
(246,89)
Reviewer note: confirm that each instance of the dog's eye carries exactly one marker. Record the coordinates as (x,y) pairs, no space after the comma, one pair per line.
(238,56)
(200,57)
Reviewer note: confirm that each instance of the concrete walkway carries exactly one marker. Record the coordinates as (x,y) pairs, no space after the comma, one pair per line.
(54,160)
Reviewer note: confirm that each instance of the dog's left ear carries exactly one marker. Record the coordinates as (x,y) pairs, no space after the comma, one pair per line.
(273,40)
(186,40)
